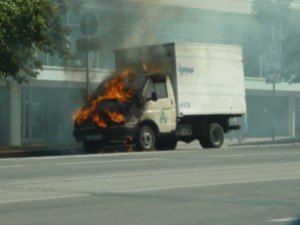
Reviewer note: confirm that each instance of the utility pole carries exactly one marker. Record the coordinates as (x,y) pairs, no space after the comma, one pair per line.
(88,26)
(274,103)
(87,37)
(272,68)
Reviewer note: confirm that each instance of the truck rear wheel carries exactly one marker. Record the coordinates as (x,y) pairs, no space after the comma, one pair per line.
(145,139)
(214,138)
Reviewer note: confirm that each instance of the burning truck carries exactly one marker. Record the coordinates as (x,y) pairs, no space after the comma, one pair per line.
(163,94)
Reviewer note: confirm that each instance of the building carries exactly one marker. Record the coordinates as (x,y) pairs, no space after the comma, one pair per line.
(41,112)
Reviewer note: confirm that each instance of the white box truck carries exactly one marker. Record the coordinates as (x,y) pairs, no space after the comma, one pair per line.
(190,91)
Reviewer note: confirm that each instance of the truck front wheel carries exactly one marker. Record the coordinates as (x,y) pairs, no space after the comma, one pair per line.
(214,138)
(145,139)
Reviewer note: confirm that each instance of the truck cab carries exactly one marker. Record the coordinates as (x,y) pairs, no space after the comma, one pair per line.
(150,115)
(159,115)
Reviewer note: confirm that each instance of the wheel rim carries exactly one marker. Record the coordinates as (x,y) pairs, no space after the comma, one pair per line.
(216,135)
(146,138)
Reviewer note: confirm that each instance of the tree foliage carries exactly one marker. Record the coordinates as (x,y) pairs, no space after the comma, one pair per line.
(26,28)
(281,11)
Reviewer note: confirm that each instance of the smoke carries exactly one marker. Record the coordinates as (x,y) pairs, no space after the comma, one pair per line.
(143,28)
(154,22)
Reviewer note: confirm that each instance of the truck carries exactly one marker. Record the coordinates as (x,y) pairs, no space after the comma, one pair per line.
(182,92)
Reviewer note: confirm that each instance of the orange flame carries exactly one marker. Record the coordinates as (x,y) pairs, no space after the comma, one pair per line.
(149,68)
(116,117)
(99,121)
(114,89)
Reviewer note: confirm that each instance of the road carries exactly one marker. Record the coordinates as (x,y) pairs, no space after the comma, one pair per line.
(183,187)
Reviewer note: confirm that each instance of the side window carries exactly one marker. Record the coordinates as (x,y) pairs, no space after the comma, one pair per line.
(159,87)
(161,90)
(149,90)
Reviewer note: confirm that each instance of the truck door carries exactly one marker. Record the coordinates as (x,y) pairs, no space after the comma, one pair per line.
(161,111)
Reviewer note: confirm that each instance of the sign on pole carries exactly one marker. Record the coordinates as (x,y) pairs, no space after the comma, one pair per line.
(88,23)
(273,52)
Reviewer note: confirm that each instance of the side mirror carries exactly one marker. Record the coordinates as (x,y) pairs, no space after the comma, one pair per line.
(154,96)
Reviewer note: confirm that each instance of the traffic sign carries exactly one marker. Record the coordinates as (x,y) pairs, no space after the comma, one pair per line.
(272,51)
(88,23)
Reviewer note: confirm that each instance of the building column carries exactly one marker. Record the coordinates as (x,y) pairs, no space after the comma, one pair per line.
(291,117)
(15,115)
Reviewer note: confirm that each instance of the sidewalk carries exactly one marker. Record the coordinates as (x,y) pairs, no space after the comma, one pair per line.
(75,148)
(260,141)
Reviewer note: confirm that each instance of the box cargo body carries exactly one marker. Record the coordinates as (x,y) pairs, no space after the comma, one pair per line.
(208,79)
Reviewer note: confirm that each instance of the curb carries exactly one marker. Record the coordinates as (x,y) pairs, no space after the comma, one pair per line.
(72,149)
(282,141)
(31,151)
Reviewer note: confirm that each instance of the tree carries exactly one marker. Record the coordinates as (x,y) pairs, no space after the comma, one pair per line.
(281,12)
(27,28)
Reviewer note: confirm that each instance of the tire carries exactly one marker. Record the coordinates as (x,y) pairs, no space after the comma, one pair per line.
(90,147)
(203,142)
(214,138)
(145,139)
(166,144)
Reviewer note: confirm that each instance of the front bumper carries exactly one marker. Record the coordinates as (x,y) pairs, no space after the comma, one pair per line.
(112,133)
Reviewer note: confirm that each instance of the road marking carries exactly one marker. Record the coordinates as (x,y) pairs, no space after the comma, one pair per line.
(135,174)
(229,154)
(109,161)
(283,220)
(203,185)
(13,166)
(43,198)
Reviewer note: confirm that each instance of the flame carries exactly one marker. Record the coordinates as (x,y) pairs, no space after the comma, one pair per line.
(114,90)
(149,68)
(116,117)
(145,67)
(99,121)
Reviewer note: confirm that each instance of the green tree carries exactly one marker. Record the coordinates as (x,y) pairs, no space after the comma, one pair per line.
(28,27)
(281,11)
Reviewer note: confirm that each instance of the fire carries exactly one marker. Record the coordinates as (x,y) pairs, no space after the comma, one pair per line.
(149,68)
(99,121)
(114,90)
(116,117)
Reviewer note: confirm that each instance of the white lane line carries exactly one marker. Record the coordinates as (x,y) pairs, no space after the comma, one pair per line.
(229,154)
(283,220)
(110,161)
(13,166)
(143,174)
(98,155)
(43,198)
(203,185)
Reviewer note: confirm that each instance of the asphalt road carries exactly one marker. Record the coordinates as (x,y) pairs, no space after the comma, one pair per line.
(257,186)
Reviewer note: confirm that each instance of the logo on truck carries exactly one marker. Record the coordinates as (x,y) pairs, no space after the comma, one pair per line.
(163,117)
(185,70)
